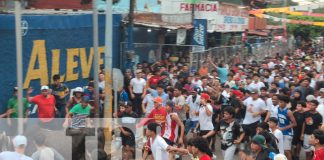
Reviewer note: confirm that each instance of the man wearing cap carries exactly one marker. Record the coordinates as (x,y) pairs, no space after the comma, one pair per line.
(255,107)
(20,144)
(205,114)
(45,102)
(158,114)
(80,114)
(259,147)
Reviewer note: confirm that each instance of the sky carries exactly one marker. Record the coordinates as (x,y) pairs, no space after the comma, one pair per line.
(305,2)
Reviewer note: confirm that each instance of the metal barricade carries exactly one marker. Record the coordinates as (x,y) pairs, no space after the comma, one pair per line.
(239,53)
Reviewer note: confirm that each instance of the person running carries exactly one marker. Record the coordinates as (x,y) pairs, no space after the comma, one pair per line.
(193,102)
(255,107)
(273,126)
(127,128)
(200,148)
(60,91)
(46,106)
(20,144)
(231,133)
(286,121)
(205,115)
(156,143)
(317,140)
(313,121)
(173,126)
(297,142)
(179,101)
(148,104)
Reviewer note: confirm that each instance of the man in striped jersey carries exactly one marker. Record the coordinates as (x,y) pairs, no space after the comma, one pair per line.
(172,126)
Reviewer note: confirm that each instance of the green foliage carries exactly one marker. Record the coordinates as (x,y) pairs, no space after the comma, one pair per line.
(305,31)
(319,10)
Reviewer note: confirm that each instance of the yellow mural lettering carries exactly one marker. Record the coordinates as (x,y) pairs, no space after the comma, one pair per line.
(56,64)
(38,53)
(71,64)
(85,62)
(101,51)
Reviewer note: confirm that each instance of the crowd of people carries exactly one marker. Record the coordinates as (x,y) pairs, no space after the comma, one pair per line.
(258,110)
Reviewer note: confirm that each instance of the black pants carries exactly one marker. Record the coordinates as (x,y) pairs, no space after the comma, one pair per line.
(137,104)
(202,133)
(250,129)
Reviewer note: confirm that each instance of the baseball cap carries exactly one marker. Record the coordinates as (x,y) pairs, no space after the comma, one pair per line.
(128,104)
(86,98)
(322,90)
(19,140)
(204,96)
(78,89)
(280,157)
(259,140)
(158,100)
(254,91)
(44,88)
(310,98)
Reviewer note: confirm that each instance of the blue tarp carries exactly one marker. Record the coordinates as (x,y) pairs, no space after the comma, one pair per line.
(51,44)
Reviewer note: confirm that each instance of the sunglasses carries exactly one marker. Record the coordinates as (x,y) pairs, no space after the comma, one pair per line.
(138,72)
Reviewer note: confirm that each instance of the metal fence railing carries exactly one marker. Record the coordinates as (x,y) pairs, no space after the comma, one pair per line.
(238,53)
(152,52)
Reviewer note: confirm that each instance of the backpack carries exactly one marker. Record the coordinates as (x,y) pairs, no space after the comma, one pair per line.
(271,141)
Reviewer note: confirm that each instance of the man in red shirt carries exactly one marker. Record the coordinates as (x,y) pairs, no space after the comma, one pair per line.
(317,140)
(158,114)
(46,104)
(155,78)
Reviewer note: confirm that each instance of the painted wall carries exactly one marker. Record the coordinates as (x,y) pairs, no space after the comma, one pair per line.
(52,44)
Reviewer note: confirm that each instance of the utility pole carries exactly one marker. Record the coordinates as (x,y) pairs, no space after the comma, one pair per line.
(95,56)
(130,44)
(19,65)
(108,72)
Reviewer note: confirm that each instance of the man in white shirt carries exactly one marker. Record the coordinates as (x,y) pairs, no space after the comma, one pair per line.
(193,102)
(273,108)
(148,104)
(137,89)
(256,84)
(157,144)
(20,144)
(273,125)
(255,107)
(205,116)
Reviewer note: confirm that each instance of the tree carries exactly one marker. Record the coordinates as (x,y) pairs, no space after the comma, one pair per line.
(305,31)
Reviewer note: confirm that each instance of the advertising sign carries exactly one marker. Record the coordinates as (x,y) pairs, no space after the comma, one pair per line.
(200,33)
(52,44)
(203,10)
(230,18)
